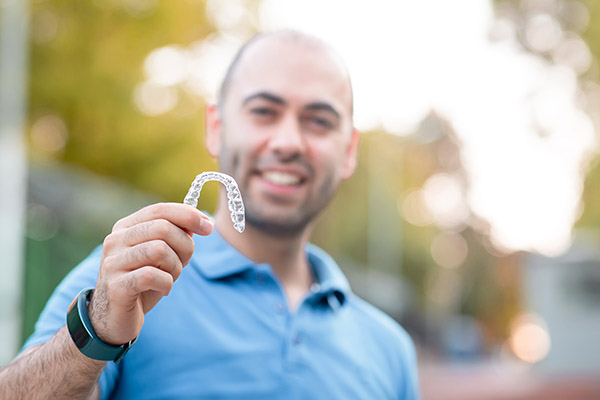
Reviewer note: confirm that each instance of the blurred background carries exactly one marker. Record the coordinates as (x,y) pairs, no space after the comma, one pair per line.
(472,219)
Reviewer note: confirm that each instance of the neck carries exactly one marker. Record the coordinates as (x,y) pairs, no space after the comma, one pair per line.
(285,254)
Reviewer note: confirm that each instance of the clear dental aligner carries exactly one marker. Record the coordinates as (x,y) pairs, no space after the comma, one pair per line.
(235,203)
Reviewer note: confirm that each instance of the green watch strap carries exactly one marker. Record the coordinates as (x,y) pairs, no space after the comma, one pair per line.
(84,336)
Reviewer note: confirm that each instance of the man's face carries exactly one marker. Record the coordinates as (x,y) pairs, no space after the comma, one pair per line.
(286,132)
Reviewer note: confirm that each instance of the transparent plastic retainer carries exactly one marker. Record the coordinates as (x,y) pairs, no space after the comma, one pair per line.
(235,202)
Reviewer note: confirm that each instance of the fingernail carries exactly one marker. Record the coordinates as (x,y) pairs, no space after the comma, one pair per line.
(206,226)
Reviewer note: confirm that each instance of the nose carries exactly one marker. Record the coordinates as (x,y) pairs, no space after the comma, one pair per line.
(287,140)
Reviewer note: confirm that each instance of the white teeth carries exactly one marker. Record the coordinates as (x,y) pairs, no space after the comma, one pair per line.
(281,178)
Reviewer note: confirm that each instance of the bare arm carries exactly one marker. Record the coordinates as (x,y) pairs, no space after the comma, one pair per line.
(53,370)
(141,259)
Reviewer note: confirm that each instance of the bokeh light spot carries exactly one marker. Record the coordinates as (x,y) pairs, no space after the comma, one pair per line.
(412,207)
(166,65)
(48,138)
(543,32)
(154,99)
(449,249)
(445,200)
(42,222)
(529,339)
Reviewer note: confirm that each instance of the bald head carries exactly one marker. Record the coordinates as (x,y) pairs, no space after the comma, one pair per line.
(269,41)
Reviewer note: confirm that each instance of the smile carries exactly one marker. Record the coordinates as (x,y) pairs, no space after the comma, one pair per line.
(282,178)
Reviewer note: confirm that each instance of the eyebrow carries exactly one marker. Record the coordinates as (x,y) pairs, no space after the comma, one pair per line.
(265,96)
(323,107)
(273,98)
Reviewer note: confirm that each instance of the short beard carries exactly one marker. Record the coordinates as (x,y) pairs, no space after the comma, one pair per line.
(278,228)
(296,225)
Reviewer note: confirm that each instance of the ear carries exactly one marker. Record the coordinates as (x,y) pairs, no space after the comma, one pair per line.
(351,155)
(212,128)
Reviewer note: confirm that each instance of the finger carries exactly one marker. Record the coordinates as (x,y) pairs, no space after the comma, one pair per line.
(182,215)
(148,278)
(155,253)
(159,254)
(159,229)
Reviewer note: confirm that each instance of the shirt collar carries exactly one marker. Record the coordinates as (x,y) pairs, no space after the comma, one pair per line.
(217,259)
(331,282)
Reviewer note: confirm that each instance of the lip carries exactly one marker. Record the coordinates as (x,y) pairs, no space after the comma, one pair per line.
(279,190)
(292,170)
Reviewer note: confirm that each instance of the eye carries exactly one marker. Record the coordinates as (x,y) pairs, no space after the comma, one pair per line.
(262,111)
(318,123)
(322,122)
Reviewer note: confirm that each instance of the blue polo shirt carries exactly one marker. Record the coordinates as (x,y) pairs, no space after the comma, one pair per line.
(226,332)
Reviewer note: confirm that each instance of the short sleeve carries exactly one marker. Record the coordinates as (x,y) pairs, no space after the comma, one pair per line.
(53,316)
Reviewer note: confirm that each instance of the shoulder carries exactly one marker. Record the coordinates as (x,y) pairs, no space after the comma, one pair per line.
(373,322)
(379,325)
(388,345)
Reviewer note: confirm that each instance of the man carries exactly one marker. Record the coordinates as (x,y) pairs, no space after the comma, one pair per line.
(257,315)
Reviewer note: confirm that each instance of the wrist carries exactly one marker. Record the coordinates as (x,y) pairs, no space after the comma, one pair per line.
(84,336)
(97,313)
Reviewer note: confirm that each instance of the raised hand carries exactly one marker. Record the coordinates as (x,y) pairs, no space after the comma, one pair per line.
(141,259)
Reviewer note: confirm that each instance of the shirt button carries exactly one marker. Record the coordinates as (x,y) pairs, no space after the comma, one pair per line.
(297,340)
(315,287)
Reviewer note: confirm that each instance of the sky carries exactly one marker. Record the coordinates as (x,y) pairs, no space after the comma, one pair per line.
(524,137)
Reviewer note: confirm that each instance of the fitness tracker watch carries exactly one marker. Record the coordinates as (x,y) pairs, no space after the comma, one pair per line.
(84,336)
